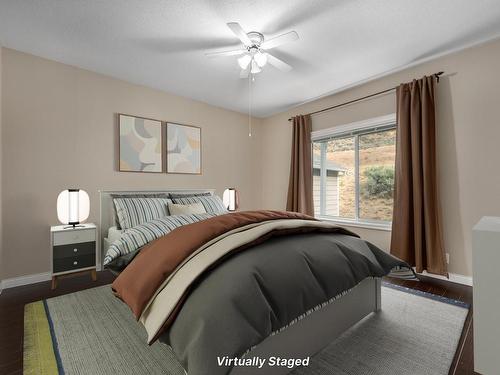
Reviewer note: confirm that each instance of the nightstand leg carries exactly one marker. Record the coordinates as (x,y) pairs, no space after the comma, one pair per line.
(54,282)
(94,275)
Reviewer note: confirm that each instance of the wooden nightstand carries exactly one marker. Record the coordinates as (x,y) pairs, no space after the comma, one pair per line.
(73,250)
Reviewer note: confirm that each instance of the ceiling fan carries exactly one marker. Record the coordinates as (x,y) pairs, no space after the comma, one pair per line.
(255,50)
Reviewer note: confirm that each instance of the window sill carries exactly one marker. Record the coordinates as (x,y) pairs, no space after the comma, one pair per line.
(386,227)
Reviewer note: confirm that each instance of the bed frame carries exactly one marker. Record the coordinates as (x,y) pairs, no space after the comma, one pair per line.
(304,338)
(310,335)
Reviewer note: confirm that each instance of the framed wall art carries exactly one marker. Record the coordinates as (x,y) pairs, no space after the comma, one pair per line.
(183,149)
(140,144)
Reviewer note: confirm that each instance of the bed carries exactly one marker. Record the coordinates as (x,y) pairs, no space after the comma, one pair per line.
(302,336)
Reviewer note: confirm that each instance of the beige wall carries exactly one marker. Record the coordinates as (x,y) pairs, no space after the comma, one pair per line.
(59,131)
(468,142)
(1,148)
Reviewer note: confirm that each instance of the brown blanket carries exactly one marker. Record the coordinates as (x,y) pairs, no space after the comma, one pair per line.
(138,283)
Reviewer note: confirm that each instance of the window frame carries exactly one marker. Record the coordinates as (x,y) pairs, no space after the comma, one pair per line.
(355,130)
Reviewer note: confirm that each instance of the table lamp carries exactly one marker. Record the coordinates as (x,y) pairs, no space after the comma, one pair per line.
(73,207)
(231,199)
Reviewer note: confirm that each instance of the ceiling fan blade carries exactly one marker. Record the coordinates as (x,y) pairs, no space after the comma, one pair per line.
(234,52)
(240,33)
(277,63)
(244,73)
(279,40)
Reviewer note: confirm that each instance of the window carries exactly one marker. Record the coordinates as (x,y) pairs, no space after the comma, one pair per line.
(353,171)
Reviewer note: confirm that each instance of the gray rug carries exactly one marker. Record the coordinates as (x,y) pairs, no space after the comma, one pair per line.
(96,334)
(412,335)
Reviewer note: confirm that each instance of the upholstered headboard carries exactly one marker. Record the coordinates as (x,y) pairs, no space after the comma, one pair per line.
(107,211)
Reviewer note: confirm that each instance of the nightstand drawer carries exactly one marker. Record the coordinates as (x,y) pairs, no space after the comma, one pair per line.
(74,263)
(81,248)
(74,236)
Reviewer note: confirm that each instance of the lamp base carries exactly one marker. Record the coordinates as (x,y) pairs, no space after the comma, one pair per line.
(73,226)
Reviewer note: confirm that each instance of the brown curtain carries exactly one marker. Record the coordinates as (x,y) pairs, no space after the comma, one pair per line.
(300,196)
(416,224)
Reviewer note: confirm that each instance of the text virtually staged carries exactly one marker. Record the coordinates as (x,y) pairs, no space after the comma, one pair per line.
(262,362)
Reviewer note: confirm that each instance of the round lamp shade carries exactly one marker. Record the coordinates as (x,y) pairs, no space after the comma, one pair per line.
(231,199)
(73,206)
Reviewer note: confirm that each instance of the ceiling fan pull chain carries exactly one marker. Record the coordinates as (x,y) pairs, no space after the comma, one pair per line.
(250,104)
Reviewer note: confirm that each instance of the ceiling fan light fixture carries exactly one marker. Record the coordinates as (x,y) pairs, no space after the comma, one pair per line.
(254,53)
(260,58)
(255,68)
(244,61)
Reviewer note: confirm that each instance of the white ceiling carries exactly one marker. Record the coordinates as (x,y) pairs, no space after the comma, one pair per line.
(161,43)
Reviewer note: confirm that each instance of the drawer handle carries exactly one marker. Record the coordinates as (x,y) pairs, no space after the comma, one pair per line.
(75,250)
(75,263)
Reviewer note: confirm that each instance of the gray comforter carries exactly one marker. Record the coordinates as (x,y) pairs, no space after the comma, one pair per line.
(258,291)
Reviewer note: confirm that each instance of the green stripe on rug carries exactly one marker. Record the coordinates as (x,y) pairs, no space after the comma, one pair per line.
(38,357)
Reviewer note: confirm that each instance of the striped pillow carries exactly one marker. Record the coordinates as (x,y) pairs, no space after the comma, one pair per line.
(136,195)
(134,238)
(135,211)
(212,204)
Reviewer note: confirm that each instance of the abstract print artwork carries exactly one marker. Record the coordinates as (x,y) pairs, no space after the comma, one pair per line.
(140,145)
(183,149)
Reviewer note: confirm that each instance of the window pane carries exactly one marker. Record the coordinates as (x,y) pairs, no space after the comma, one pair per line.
(340,182)
(316,176)
(376,175)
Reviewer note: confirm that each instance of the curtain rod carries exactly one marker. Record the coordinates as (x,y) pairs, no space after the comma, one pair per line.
(363,98)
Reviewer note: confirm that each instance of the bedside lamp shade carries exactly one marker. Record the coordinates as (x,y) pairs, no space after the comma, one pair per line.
(231,199)
(73,206)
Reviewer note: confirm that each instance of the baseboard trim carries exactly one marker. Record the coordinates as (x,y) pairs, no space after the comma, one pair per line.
(454,278)
(25,280)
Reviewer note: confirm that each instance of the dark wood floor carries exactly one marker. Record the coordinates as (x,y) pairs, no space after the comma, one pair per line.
(12,303)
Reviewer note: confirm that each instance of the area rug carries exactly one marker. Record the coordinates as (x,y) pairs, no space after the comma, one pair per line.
(92,332)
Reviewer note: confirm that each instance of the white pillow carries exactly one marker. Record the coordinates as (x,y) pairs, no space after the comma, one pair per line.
(186,209)
(212,204)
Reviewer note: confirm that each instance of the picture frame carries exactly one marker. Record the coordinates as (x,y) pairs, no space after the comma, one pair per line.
(140,144)
(184,148)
